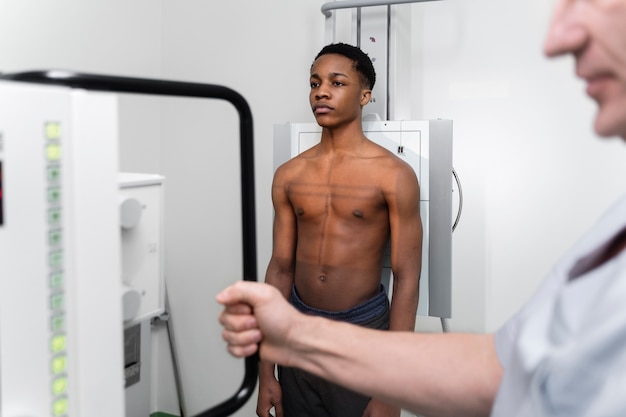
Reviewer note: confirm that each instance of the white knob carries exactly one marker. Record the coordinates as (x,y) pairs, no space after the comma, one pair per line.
(130,212)
(131,300)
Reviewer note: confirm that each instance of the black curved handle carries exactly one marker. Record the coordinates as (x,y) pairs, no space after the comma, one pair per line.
(185,89)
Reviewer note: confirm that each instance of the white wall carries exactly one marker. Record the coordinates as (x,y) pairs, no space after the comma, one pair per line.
(533,175)
(533,172)
(98,36)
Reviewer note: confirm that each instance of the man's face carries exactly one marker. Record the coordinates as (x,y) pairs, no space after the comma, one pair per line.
(337,95)
(594,32)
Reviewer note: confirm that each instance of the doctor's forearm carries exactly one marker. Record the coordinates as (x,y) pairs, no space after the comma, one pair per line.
(429,374)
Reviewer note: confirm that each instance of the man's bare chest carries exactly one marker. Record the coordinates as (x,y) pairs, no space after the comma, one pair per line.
(354,200)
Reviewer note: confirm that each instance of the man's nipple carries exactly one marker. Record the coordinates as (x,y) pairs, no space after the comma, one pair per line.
(357,213)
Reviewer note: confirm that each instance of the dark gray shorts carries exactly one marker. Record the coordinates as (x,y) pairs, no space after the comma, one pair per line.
(306,395)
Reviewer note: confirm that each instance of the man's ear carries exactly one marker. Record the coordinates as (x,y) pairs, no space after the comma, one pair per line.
(366,97)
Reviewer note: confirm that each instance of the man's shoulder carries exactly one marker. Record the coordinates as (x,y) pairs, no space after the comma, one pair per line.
(390,160)
(395,171)
(384,153)
(295,162)
(293,166)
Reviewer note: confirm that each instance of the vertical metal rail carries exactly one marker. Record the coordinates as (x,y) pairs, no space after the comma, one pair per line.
(184,89)
(330,30)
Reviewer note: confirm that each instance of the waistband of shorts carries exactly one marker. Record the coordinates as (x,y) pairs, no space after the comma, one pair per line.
(362,313)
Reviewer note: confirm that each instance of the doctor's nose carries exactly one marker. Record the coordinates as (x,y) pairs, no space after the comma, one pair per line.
(566,33)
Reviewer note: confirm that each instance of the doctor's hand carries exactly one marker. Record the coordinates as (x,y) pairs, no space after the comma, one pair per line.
(257,314)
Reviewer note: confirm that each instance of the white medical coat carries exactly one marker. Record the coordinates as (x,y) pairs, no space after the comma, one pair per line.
(564,353)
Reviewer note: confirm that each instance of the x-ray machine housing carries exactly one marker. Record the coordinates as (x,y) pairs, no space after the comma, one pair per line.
(60,261)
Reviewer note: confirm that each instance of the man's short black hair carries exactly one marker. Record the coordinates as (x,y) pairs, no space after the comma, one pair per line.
(362,63)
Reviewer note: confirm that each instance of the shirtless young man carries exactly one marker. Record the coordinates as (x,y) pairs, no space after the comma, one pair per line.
(336,207)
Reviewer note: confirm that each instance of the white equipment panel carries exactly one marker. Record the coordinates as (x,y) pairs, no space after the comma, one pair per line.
(60,246)
(427,147)
(143,283)
(141,223)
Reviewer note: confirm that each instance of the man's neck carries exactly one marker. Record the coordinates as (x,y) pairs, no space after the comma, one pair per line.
(344,137)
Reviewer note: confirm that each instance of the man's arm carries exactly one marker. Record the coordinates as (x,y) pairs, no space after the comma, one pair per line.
(403,198)
(429,374)
(280,270)
(280,274)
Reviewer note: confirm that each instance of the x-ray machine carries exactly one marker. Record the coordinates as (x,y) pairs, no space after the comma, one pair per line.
(80,246)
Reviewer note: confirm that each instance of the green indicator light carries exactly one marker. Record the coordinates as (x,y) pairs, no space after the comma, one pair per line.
(56,259)
(56,280)
(53,152)
(53,130)
(54,195)
(57,344)
(57,302)
(57,323)
(59,386)
(54,216)
(59,407)
(54,173)
(54,237)
(58,364)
